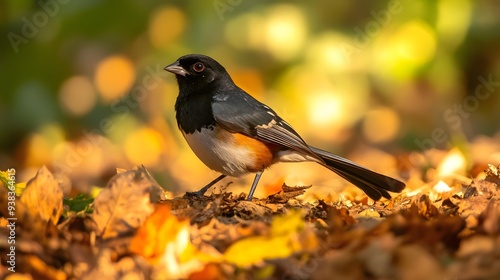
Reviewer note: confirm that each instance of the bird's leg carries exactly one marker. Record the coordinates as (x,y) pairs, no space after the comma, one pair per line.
(203,190)
(254,185)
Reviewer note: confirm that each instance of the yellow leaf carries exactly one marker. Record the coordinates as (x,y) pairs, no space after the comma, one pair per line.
(254,250)
(125,203)
(4,180)
(282,241)
(287,224)
(369,213)
(43,196)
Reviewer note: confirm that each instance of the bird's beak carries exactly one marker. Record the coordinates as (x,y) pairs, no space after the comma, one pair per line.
(177,69)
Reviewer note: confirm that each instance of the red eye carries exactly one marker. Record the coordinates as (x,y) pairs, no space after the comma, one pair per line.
(198,67)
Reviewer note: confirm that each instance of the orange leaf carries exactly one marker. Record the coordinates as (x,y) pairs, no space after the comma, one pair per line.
(157,231)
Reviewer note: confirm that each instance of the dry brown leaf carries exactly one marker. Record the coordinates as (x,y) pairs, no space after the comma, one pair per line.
(425,206)
(43,196)
(124,204)
(287,193)
(493,174)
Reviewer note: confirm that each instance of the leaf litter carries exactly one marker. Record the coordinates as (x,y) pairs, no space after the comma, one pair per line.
(448,228)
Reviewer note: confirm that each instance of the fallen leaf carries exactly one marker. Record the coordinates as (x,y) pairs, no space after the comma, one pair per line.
(79,203)
(274,187)
(282,241)
(164,241)
(425,206)
(209,272)
(43,196)
(4,181)
(124,204)
(254,250)
(153,236)
(368,213)
(493,174)
(287,193)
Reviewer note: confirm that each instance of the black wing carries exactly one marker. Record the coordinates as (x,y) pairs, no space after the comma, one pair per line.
(239,112)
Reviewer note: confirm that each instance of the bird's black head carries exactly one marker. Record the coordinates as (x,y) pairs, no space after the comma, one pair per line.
(198,74)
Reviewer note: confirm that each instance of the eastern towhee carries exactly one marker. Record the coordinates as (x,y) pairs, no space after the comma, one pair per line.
(234,134)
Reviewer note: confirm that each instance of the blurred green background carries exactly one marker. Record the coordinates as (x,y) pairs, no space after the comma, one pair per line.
(83,90)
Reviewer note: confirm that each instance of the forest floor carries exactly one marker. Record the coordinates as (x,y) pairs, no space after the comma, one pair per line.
(133,229)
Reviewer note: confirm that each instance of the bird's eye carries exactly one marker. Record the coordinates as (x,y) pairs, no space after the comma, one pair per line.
(198,67)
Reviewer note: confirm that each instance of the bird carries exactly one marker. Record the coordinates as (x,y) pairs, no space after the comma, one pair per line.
(234,134)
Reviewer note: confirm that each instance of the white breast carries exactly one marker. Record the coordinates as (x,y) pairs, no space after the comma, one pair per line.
(216,148)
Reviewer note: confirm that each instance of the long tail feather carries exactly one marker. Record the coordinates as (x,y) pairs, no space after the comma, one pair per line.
(374,184)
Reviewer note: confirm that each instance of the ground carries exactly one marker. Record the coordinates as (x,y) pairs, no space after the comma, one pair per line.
(133,229)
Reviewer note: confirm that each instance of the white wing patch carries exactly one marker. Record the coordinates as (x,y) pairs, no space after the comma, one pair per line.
(269,125)
(294,156)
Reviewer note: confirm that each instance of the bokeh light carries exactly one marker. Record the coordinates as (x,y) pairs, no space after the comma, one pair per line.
(280,31)
(401,53)
(304,59)
(326,109)
(166,24)
(453,21)
(332,52)
(454,163)
(114,76)
(144,146)
(77,95)
(38,147)
(37,150)
(284,31)
(381,125)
